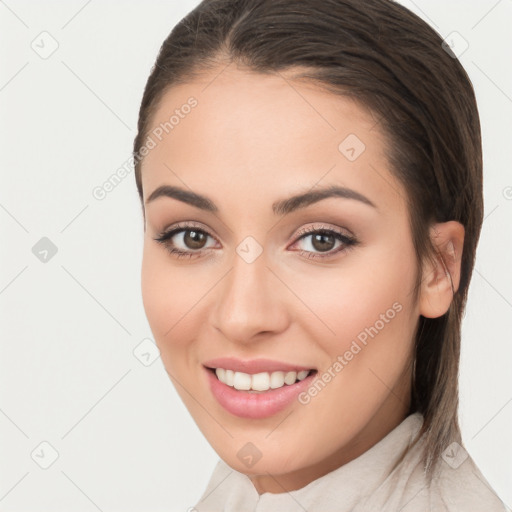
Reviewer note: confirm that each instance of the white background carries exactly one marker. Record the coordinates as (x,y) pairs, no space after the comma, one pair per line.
(68,375)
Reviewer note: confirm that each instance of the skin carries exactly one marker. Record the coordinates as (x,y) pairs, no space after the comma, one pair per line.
(254,139)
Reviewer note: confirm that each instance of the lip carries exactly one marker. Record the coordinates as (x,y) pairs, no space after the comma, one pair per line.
(255,405)
(253,366)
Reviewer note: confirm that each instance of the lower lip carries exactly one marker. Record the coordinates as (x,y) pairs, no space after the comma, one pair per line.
(256,405)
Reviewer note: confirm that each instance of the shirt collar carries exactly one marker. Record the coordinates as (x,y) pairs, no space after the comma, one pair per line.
(232,491)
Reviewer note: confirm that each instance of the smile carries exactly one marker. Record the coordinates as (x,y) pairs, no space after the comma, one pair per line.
(257,395)
(259,382)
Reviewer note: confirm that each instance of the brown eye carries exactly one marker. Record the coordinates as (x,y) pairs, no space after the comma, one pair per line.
(185,241)
(323,241)
(194,239)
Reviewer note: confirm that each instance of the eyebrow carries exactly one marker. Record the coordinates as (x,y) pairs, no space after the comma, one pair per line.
(281,207)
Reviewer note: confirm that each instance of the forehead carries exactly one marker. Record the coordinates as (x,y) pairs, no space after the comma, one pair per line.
(249,131)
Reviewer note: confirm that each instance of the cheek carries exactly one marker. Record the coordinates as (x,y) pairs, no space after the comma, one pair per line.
(374,317)
(355,300)
(169,295)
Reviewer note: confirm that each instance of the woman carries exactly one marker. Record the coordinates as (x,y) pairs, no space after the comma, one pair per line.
(311,183)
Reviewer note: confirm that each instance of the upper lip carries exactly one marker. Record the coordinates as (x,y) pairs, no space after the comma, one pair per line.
(253,366)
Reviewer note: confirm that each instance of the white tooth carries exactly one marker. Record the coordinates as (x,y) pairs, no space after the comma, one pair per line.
(242,381)
(290,378)
(276,380)
(260,381)
(229,377)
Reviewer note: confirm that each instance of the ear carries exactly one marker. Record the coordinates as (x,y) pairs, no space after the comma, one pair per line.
(441,277)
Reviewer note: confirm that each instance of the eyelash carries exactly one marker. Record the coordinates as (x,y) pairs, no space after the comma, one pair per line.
(348,242)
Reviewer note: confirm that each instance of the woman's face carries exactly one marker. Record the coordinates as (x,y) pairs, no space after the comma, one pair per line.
(272,284)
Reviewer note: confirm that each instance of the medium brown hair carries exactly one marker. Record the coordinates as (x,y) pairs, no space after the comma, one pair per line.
(389,60)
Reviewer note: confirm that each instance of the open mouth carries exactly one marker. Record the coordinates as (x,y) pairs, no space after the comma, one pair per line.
(259,382)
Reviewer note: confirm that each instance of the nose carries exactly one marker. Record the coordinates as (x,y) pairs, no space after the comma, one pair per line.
(251,302)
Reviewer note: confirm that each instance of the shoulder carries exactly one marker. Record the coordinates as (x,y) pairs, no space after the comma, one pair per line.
(456,486)
(460,485)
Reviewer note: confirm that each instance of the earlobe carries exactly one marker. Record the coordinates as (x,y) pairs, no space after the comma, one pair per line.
(441,274)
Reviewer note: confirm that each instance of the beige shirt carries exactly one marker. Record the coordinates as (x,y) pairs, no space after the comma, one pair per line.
(369,483)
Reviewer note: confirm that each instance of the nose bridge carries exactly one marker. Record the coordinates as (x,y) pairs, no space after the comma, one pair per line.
(249,300)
